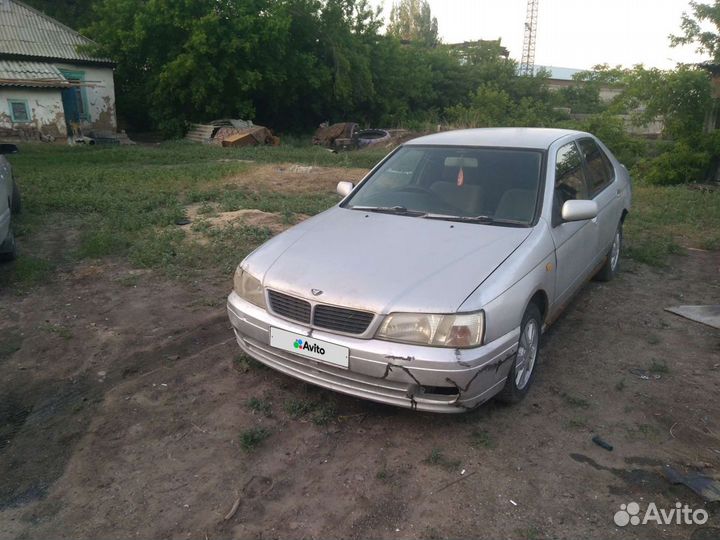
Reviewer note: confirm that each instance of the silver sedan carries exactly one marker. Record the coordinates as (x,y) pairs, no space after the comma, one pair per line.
(428,286)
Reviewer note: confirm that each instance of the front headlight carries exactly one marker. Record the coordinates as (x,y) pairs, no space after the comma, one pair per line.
(249,288)
(459,330)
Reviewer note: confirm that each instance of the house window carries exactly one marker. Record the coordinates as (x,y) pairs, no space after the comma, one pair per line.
(19,110)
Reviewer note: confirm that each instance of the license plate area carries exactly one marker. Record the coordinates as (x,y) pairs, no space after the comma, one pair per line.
(312,348)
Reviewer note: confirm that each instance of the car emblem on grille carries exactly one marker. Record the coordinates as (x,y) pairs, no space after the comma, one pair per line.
(316,292)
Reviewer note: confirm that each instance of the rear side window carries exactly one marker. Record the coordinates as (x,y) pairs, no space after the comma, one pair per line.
(598,166)
(569,175)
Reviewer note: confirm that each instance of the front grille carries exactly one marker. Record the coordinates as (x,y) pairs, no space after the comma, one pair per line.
(290,307)
(349,321)
(345,320)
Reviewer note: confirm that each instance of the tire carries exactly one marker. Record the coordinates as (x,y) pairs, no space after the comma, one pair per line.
(15,204)
(519,380)
(611,267)
(8,249)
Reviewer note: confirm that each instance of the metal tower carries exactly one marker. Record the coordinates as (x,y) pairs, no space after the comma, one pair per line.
(527,62)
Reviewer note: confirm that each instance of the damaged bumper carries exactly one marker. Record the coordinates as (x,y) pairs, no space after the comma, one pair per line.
(423,378)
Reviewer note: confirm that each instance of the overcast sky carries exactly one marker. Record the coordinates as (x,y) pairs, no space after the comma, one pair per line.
(571,33)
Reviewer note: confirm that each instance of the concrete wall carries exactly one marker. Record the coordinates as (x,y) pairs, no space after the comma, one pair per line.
(46,113)
(100,91)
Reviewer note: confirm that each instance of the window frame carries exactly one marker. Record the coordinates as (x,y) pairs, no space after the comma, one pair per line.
(28,113)
(607,162)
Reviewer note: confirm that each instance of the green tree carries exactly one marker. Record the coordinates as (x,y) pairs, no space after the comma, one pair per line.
(691,25)
(188,60)
(412,20)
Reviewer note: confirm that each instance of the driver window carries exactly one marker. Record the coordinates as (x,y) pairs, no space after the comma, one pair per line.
(569,176)
(570,182)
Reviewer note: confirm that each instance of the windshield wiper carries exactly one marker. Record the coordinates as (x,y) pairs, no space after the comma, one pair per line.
(399,210)
(485,220)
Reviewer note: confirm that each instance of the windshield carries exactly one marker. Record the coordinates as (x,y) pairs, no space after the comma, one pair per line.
(482,184)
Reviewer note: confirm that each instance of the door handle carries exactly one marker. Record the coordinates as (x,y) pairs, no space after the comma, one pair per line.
(594,220)
(618,193)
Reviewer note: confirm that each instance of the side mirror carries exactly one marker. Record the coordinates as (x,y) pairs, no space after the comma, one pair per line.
(7,148)
(344,188)
(576,210)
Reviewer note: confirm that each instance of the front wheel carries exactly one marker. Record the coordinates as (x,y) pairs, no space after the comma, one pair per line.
(522,374)
(612,262)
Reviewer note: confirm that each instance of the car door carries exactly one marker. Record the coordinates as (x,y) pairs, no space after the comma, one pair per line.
(575,241)
(604,191)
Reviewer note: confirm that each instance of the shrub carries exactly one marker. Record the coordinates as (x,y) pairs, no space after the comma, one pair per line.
(683,163)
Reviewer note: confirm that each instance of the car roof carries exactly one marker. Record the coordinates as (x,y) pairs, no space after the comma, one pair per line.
(496,137)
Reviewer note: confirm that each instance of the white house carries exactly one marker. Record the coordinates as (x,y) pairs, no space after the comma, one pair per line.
(48,89)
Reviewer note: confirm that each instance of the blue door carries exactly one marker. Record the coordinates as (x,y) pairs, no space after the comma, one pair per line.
(70,105)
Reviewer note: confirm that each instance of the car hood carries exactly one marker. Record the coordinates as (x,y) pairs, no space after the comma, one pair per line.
(384,263)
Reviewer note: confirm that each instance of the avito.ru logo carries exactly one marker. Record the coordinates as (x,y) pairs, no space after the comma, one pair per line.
(307,346)
(629,514)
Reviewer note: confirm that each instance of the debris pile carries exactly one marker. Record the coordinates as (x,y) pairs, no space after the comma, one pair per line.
(231,132)
(347,136)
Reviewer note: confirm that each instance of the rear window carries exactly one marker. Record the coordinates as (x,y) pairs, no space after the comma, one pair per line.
(502,183)
(598,165)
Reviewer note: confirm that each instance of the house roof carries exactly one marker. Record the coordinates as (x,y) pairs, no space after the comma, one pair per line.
(26,73)
(27,32)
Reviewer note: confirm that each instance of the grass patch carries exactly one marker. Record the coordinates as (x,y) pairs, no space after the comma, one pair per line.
(659,367)
(26,270)
(124,201)
(260,406)
(251,438)
(57,329)
(438,458)
(320,412)
(480,438)
(663,219)
(324,414)
(245,364)
(10,342)
(576,423)
(620,385)
(298,408)
(575,401)
(128,280)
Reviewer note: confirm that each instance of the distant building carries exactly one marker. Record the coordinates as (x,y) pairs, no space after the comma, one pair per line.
(48,89)
(562,77)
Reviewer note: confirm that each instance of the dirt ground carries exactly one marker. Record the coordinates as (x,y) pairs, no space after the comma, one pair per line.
(124,397)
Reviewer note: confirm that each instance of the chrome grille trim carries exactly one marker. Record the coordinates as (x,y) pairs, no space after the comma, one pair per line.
(341,319)
(290,306)
(324,316)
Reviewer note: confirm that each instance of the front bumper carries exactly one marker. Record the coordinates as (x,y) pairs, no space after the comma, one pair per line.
(423,378)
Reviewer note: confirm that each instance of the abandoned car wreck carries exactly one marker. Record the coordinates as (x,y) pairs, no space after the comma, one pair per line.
(49,89)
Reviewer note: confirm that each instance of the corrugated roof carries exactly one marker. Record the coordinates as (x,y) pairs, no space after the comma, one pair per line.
(25,31)
(21,73)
